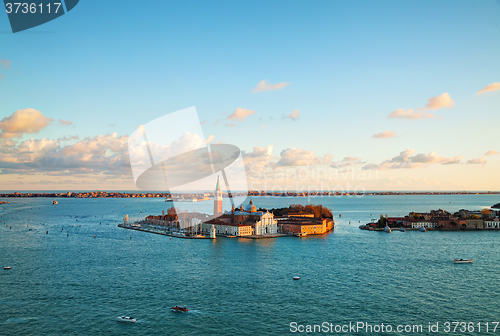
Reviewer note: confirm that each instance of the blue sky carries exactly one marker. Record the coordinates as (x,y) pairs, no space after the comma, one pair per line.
(109,66)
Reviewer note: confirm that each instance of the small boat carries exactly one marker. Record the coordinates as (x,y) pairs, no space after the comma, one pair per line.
(169,200)
(126,319)
(422,229)
(179,309)
(300,234)
(387,229)
(6,268)
(54,202)
(296,278)
(462,261)
(340,215)
(402,229)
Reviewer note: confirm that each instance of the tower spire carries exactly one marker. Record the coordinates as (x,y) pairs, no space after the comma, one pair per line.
(217,199)
(217,187)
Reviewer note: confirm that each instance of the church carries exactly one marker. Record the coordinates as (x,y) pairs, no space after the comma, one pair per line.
(242,221)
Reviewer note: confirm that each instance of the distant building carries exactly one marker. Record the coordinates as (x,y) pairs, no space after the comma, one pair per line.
(244,222)
(305,225)
(423,223)
(474,223)
(492,224)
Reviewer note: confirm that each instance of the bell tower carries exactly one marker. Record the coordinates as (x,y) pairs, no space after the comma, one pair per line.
(217,199)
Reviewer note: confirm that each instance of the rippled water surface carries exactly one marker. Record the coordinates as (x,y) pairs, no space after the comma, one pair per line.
(68,282)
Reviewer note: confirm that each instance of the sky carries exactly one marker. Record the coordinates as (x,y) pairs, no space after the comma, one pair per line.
(405,92)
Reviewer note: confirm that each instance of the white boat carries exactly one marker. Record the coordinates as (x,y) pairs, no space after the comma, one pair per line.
(126,319)
(296,278)
(462,261)
(6,268)
(387,229)
(422,229)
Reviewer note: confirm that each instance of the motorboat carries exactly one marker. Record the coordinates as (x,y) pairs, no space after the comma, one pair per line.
(387,229)
(179,309)
(462,261)
(402,229)
(296,278)
(6,268)
(300,234)
(54,202)
(126,319)
(422,229)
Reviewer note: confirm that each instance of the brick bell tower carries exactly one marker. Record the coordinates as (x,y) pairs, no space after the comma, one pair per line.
(217,199)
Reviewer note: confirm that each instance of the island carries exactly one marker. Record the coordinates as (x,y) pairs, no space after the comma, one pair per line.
(243,222)
(485,219)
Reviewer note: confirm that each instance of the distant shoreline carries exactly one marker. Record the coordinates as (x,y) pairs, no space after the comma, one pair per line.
(202,196)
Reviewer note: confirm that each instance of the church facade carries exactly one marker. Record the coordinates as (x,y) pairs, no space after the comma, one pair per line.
(240,222)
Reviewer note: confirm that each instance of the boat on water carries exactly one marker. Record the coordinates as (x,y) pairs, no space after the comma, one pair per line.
(6,268)
(300,234)
(387,229)
(179,309)
(402,229)
(54,202)
(126,319)
(462,261)
(296,278)
(169,200)
(422,229)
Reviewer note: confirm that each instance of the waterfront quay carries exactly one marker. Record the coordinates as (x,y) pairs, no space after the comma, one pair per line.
(161,231)
(166,232)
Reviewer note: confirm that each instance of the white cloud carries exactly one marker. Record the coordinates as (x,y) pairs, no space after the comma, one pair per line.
(489,88)
(258,159)
(384,135)
(438,102)
(264,85)
(240,114)
(491,152)
(301,157)
(433,103)
(66,138)
(410,114)
(347,161)
(22,122)
(296,157)
(65,122)
(294,115)
(477,161)
(408,159)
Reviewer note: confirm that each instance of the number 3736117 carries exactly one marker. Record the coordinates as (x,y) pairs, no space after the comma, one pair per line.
(25,7)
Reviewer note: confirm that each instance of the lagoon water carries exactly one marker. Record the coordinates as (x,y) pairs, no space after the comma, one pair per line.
(67,282)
